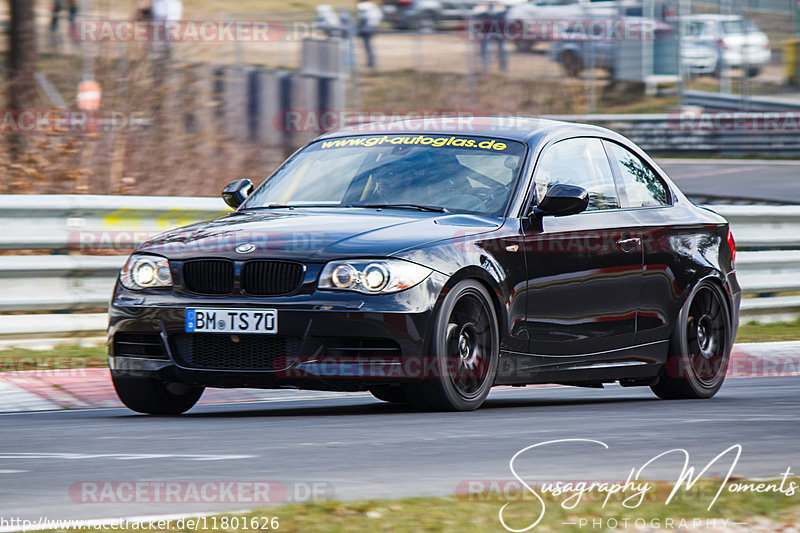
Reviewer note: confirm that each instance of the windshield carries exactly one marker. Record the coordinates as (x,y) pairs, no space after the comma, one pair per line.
(738,26)
(454,174)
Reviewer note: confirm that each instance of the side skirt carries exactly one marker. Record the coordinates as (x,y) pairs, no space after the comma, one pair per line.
(636,363)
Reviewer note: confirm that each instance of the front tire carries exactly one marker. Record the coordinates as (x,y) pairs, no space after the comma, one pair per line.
(155,397)
(700,347)
(465,346)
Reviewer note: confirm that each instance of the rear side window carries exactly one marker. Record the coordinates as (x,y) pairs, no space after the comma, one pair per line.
(639,186)
(580,162)
(697,28)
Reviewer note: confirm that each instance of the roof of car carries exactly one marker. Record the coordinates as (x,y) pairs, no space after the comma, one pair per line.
(515,128)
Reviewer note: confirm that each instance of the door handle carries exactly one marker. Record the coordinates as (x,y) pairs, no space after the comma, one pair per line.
(629,245)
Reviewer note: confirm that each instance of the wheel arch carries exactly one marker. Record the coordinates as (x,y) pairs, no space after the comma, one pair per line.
(716,279)
(482,277)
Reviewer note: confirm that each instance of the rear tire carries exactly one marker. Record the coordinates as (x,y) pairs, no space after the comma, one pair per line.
(465,346)
(390,394)
(155,397)
(700,347)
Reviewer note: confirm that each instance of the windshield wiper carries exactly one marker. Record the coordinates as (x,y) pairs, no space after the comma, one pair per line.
(418,207)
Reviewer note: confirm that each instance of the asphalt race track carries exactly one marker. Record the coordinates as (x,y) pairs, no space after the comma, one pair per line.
(362,448)
(750,179)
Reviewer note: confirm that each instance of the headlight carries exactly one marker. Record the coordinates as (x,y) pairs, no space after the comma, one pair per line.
(372,276)
(145,272)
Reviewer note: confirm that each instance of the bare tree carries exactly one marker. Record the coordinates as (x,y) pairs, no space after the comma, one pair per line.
(21,59)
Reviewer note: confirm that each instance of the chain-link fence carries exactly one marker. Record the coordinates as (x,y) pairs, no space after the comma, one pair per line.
(743,47)
(207,100)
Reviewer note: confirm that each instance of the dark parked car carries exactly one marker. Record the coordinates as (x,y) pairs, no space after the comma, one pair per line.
(576,52)
(426,266)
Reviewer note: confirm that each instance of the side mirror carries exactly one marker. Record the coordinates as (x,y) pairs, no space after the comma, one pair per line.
(236,192)
(562,200)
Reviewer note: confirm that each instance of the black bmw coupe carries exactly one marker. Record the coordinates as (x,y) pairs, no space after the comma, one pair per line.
(427,261)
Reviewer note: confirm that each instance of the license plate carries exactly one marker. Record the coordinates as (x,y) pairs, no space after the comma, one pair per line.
(232,321)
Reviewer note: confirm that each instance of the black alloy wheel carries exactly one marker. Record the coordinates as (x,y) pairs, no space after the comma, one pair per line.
(700,347)
(466,350)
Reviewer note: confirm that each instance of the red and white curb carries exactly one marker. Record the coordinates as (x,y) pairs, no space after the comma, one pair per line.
(80,388)
(14,399)
(53,390)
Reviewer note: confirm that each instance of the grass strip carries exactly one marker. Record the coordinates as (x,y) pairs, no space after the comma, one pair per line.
(479,512)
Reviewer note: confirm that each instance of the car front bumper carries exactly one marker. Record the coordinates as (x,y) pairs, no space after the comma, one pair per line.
(325,340)
(753,58)
(700,64)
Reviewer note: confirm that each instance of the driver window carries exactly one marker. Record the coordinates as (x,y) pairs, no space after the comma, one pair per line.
(580,162)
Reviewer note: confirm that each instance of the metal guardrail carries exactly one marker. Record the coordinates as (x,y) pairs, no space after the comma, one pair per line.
(733,102)
(57,282)
(71,227)
(763,227)
(68,280)
(80,222)
(706,132)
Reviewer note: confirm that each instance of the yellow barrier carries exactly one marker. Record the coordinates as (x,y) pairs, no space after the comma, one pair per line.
(791,57)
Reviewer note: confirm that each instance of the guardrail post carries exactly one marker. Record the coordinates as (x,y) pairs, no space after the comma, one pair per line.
(235,102)
(200,121)
(332,95)
(299,109)
(287,101)
(265,106)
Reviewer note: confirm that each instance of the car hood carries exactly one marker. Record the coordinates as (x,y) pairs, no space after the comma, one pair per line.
(315,234)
